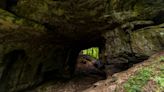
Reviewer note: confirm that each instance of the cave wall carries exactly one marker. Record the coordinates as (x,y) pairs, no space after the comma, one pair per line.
(28,56)
(148,40)
(134,46)
(140,33)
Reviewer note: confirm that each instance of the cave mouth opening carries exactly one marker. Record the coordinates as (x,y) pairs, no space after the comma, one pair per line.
(93,52)
(89,63)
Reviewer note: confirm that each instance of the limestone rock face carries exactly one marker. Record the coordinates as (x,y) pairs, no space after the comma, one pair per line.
(123,46)
(139,34)
(64,11)
(148,40)
(71,18)
(85,20)
(27,55)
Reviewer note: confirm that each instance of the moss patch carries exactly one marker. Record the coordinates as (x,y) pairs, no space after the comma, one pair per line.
(154,72)
(135,83)
(10,21)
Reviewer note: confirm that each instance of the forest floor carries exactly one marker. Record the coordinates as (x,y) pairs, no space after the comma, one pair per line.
(147,76)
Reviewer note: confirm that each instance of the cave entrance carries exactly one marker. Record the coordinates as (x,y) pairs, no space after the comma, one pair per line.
(88,63)
(93,52)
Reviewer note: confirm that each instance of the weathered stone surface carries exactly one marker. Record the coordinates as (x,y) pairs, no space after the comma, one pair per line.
(17,37)
(121,43)
(85,19)
(123,46)
(73,19)
(131,10)
(116,43)
(27,55)
(148,40)
(64,11)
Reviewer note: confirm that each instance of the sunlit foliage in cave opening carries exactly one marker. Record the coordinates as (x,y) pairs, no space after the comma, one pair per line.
(93,51)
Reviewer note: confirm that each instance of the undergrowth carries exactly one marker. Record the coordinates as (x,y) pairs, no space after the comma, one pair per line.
(153,72)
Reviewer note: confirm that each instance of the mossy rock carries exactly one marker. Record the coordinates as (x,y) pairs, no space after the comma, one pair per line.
(9,20)
(149,40)
(131,10)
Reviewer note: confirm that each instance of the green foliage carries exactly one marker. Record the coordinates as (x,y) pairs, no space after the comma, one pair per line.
(159,78)
(162,58)
(94,52)
(135,83)
(154,72)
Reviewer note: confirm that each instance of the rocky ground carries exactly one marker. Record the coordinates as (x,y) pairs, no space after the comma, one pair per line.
(147,76)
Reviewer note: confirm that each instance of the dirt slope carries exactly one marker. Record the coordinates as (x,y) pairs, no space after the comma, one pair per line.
(147,76)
